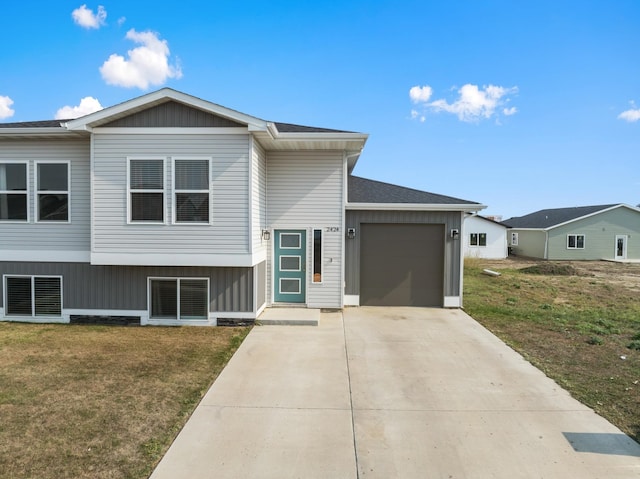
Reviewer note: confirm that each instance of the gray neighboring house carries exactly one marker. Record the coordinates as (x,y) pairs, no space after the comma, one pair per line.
(610,232)
(168,209)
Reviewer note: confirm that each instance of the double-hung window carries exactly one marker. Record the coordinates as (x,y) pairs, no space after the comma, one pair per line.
(33,296)
(146,190)
(191,190)
(478,239)
(14,192)
(52,195)
(575,241)
(179,298)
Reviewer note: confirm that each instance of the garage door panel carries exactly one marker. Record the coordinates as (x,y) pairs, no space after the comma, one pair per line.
(401,264)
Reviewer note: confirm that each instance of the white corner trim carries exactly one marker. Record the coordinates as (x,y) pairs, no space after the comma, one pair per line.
(352,300)
(452,302)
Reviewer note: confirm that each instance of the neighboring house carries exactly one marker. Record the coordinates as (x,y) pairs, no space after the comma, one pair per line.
(581,233)
(484,238)
(168,209)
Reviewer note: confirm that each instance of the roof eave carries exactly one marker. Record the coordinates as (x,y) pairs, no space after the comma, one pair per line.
(35,132)
(466,207)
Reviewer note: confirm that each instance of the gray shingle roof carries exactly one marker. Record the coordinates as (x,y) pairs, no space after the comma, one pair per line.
(291,128)
(33,124)
(362,190)
(547,218)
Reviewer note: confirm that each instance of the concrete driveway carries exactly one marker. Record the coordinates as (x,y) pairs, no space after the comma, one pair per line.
(391,393)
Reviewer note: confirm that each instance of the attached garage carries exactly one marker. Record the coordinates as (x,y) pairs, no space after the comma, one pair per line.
(401,264)
(403,247)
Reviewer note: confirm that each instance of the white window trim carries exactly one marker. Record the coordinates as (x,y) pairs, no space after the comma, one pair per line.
(175,191)
(27,192)
(514,237)
(33,304)
(290,234)
(291,292)
(177,279)
(163,191)
(313,255)
(584,241)
(299,258)
(37,193)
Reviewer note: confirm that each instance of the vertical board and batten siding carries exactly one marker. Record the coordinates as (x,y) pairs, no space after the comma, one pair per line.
(229,231)
(531,243)
(88,287)
(599,236)
(452,259)
(305,191)
(56,236)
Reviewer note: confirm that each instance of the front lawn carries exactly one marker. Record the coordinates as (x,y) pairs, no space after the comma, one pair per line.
(100,401)
(577,322)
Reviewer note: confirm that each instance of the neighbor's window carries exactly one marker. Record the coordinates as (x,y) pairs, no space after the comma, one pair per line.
(179,298)
(33,295)
(575,241)
(317,256)
(191,186)
(478,239)
(13,192)
(52,196)
(146,190)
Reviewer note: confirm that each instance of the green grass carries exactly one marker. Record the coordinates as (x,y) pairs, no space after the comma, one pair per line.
(582,331)
(97,401)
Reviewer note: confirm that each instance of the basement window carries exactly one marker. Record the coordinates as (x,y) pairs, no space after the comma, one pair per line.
(575,241)
(179,298)
(33,296)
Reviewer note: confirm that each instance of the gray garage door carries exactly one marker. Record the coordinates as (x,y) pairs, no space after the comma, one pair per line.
(401,264)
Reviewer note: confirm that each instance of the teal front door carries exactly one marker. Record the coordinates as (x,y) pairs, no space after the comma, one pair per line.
(289,268)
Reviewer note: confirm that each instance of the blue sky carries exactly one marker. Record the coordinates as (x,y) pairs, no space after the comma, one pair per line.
(517,105)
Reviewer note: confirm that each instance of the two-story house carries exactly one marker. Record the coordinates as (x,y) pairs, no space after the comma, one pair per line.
(168,209)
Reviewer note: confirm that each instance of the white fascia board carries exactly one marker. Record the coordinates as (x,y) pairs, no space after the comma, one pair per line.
(177,259)
(414,207)
(165,94)
(170,131)
(590,215)
(306,136)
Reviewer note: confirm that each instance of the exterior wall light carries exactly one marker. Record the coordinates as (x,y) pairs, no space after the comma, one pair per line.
(455,234)
(351,233)
(266,235)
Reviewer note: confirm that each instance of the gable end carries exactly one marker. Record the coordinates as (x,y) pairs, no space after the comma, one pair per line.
(173,114)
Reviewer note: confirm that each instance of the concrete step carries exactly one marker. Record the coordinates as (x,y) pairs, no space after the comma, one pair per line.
(289,317)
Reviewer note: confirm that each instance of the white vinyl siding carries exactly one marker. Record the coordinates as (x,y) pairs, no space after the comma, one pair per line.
(228,232)
(36,240)
(305,191)
(258,197)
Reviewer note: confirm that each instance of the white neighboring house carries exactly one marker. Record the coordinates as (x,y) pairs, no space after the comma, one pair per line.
(484,238)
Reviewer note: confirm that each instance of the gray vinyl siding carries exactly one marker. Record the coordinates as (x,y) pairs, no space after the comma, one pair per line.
(172,114)
(305,191)
(74,236)
(600,232)
(258,196)
(229,231)
(89,287)
(452,255)
(531,243)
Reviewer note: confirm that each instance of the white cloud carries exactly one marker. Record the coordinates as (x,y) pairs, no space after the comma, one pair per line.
(87,105)
(472,104)
(631,115)
(420,94)
(147,64)
(5,107)
(85,17)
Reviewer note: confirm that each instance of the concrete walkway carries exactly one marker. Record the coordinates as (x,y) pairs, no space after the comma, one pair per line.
(391,393)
